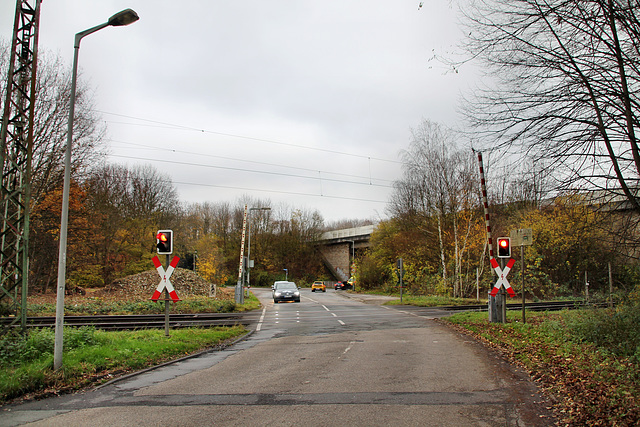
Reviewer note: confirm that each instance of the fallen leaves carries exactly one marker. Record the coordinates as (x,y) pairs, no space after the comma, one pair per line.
(588,387)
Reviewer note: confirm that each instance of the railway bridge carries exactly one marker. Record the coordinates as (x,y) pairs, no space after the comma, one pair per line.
(338,249)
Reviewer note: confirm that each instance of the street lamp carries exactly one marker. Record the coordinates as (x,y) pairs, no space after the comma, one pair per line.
(249,243)
(125,17)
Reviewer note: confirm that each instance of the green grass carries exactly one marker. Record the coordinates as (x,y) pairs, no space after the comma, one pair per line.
(587,360)
(196,304)
(433,301)
(92,356)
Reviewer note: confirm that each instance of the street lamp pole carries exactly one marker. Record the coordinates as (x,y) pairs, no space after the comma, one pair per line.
(353,247)
(249,243)
(353,259)
(125,17)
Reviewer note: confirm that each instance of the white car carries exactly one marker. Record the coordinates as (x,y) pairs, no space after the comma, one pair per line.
(280,281)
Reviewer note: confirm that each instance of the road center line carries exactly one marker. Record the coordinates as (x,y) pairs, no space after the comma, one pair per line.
(264,310)
(348,347)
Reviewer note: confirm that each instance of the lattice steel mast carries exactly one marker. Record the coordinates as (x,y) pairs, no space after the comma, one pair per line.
(16,142)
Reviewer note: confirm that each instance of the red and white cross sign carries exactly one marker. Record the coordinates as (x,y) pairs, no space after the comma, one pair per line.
(165,282)
(502,277)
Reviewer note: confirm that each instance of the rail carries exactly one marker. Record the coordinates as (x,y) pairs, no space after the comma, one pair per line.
(139,321)
(531,306)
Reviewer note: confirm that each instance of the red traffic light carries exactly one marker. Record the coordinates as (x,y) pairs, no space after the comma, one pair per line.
(504,247)
(164,241)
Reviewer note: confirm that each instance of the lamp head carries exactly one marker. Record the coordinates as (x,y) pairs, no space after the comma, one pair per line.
(125,17)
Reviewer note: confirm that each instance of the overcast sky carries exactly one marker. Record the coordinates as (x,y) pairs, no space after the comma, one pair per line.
(306,103)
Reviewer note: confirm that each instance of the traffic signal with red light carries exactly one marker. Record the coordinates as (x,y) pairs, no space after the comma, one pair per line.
(504,247)
(164,241)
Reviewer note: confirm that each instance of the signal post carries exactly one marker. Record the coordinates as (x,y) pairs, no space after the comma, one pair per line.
(164,245)
(522,237)
(498,294)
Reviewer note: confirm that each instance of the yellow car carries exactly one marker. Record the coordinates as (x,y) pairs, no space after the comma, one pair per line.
(318,286)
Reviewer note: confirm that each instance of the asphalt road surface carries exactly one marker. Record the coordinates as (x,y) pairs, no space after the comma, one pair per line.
(331,359)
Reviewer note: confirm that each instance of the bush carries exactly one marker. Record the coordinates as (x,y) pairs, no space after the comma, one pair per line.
(7,310)
(89,276)
(17,348)
(372,274)
(615,330)
(79,337)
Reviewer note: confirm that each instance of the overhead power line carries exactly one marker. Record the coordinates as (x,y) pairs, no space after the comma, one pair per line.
(270,141)
(172,150)
(173,162)
(279,192)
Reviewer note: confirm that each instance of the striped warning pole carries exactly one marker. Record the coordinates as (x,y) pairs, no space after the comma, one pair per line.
(486,205)
(239,295)
(497,305)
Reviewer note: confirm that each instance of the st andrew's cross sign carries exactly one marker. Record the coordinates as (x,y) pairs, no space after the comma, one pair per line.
(502,277)
(165,282)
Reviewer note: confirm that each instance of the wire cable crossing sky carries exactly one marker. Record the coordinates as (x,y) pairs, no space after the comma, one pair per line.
(310,103)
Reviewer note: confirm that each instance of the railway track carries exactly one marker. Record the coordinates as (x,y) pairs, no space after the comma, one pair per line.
(157,321)
(530,306)
(142,321)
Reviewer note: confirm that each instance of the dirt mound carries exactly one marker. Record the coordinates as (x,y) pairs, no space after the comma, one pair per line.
(142,285)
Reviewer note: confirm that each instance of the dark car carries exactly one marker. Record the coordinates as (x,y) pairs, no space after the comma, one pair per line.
(285,291)
(342,286)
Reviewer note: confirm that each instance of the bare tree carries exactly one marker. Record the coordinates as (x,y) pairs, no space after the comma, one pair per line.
(438,185)
(151,195)
(128,205)
(564,87)
(53,88)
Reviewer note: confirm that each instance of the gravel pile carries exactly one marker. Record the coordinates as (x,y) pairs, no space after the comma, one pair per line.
(142,285)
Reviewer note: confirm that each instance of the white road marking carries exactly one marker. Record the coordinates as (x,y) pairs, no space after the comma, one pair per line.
(264,310)
(416,315)
(348,348)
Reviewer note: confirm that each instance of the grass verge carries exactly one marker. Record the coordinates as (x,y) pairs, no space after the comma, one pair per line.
(93,356)
(193,304)
(433,301)
(586,360)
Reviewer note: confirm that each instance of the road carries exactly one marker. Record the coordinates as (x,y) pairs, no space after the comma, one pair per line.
(328,360)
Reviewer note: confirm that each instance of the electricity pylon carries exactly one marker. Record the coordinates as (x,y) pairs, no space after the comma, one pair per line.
(16,143)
